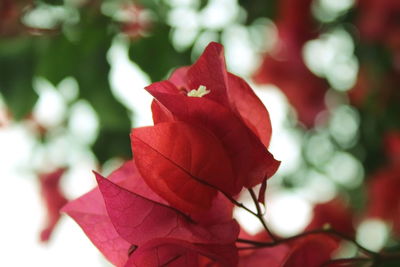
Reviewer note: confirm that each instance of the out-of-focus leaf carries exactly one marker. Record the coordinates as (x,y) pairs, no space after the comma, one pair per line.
(85,59)
(111,143)
(53,2)
(259,8)
(155,54)
(17,62)
(92,76)
(58,58)
(391,263)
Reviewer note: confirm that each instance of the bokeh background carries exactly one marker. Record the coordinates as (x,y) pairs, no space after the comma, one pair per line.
(72,74)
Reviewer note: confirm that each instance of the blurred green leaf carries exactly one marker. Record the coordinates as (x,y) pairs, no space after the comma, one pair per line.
(53,2)
(17,63)
(259,9)
(85,59)
(155,54)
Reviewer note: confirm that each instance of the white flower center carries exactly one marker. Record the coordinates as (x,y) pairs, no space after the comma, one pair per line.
(199,92)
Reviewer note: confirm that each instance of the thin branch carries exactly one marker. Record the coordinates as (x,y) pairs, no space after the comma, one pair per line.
(346,260)
(257,244)
(252,242)
(238,204)
(260,216)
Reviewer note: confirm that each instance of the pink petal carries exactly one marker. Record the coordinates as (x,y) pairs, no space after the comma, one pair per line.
(138,219)
(272,256)
(129,178)
(54,200)
(90,213)
(172,252)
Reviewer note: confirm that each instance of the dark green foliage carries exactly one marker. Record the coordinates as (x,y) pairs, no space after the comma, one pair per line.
(155,54)
(17,66)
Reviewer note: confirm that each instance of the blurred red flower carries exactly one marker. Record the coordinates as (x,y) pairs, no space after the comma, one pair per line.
(284,66)
(375,91)
(11,12)
(312,250)
(378,21)
(336,214)
(132,226)
(384,186)
(53,198)
(392,146)
(384,196)
(135,21)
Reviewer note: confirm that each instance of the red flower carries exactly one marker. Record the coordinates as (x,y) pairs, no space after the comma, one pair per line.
(392,146)
(132,226)
(312,250)
(336,214)
(384,196)
(11,12)
(54,200)
(378,22)
(135,21)
(285,68)
(211,133)
(375,92)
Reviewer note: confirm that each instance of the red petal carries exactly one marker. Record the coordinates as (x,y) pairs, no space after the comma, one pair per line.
(184,160)
(336,214)
(311,251)
(90,213)
(251,161)
(171,252)
(160,113)
(217,219)
(54,200)
(138,219)
(209,70)
(178,78)
(250,108)
(261,192)
(128,177)
(263,257)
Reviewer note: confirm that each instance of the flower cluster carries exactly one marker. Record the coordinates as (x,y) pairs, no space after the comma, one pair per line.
(172,205)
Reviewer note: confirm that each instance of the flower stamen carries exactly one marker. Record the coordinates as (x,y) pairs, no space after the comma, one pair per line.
(199,92)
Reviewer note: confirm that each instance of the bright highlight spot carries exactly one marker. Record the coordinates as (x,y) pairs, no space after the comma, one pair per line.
(288,213)
(372,234)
